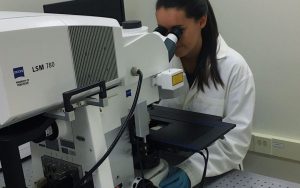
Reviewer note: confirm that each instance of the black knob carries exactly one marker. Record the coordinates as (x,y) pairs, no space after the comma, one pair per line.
(132,24)
(145,184)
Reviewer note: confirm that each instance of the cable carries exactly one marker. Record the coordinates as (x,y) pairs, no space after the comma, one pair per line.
(207,156)
(205,166)
(122,129)
(141,164)
(140,159)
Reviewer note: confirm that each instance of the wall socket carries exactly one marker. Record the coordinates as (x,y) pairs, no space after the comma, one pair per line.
(275,146)
(262,144)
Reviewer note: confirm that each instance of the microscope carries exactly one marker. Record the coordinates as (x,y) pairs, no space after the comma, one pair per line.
(67,85)
(82,90)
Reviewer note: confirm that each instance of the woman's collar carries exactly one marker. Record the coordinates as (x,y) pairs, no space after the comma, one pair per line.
(222,48)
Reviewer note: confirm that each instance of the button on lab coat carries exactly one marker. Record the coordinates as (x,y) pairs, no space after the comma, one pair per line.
(234,102)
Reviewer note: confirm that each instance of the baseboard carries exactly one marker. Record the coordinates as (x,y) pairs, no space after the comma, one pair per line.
(275,146)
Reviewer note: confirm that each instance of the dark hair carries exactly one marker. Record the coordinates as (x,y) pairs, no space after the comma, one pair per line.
(207,60)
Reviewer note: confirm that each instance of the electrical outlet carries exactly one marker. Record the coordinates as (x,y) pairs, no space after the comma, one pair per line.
(262,144)
(275,146)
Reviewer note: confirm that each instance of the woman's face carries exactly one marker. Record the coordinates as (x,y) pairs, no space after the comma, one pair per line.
(190,42)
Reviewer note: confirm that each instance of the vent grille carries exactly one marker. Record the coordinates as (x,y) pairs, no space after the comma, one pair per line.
(93,54)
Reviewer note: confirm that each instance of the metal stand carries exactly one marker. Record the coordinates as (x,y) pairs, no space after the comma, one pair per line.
(11,138)
(12,166)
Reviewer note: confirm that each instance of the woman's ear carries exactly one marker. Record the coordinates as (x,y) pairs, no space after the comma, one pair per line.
(203,21)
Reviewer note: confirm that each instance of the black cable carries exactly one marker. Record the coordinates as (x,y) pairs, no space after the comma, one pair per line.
(205,166)
(140,159)
(140,163)
(203,174)
(207,156)
(122,129)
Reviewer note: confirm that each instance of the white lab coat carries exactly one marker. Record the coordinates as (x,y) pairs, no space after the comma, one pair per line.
(235,103)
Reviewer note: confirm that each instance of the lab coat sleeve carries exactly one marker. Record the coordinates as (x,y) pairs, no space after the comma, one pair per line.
(226,154)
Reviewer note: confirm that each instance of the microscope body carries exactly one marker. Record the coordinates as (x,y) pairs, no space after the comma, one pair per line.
(46,55)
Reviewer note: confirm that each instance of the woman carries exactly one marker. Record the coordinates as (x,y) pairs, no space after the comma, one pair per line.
(219,83)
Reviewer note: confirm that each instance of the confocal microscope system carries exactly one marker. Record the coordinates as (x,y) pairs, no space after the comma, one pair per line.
(83,91)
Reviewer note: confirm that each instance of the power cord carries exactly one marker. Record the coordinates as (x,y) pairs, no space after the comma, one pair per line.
(122,129)
(140,159)
(205,166)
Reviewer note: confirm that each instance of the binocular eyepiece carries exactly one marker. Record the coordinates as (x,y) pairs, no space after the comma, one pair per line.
(176,30)
(170,38)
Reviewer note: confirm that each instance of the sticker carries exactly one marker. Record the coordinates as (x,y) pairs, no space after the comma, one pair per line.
(18,72)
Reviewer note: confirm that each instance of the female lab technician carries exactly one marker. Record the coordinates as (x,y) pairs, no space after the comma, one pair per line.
(219,82)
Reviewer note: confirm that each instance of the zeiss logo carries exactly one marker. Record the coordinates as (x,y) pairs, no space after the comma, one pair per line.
(19,72)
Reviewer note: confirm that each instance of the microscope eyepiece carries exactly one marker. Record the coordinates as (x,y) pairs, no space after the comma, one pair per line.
(177,30)
(162,30)
(170,38)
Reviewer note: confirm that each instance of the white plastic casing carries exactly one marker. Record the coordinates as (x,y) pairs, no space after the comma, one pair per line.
(28,40)
(170,79)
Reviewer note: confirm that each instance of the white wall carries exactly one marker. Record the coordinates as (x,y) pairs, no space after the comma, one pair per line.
(266,33)
(134,9)
(25,5)
(142,10)
(272,166)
